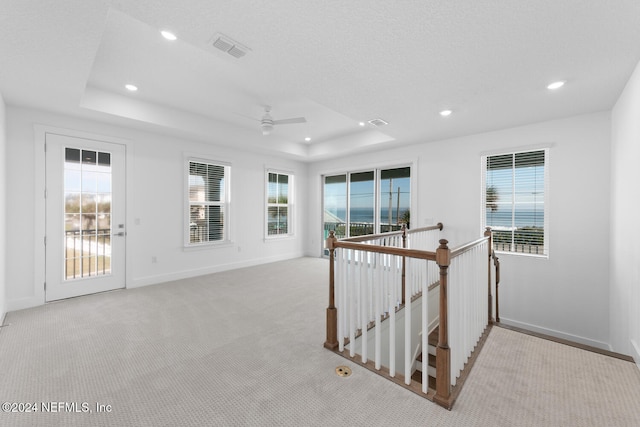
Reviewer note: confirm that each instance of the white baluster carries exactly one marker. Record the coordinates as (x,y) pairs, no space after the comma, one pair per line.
(364,298)
(408,351)
(378,309)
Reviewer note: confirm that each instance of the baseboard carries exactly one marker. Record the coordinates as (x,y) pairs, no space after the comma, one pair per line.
(186,274)
(558,334)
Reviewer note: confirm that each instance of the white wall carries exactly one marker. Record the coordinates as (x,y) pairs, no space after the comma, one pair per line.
(625,227)
(155,194)
(3,208)
(565,295)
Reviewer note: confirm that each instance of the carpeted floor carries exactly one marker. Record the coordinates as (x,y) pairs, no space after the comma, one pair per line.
(244,348)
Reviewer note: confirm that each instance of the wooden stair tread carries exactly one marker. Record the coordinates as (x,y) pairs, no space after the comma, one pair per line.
(431,361)
(433,337)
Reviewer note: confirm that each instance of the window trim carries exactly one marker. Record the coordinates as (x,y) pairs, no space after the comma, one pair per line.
(290,204)
(483,218)
(226,203)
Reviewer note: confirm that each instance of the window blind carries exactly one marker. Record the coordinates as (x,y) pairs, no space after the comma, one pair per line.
(514,201)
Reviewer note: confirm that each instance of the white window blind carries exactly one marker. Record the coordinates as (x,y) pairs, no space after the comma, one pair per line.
(207,189)
(279,204)
(514,201)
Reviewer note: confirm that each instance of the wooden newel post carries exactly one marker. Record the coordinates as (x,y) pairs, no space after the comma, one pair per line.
(487,233)
(443,356)
(332,315)
(404,262)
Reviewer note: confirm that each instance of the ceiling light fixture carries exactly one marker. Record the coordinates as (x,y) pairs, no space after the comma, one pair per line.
(445,113)
(361,123)
(131,88)
(168,35)
(556,85)
(307,139)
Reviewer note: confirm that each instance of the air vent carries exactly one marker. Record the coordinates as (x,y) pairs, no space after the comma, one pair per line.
(378,122)
(230,46)
(235,52)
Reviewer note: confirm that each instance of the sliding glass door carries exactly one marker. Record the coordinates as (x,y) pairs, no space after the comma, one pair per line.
(366,202)
(395,199)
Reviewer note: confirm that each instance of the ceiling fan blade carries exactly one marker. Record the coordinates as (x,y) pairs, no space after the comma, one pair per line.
(290,121)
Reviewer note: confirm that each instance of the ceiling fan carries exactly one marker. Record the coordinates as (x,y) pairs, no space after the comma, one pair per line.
(267,123)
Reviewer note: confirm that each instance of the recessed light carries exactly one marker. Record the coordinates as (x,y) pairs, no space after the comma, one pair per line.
(168,35)
(131,87)
(445,113)
(556,85)
(307,139)
(361,123)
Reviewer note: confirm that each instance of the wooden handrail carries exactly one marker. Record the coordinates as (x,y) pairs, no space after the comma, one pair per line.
(438,226)
(368,237)
(467,246)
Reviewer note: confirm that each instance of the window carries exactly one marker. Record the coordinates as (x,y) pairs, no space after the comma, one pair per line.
(514,201)
(208,202)
(279,204)
(366,202)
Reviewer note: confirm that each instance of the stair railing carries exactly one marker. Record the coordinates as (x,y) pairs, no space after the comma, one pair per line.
(367,283)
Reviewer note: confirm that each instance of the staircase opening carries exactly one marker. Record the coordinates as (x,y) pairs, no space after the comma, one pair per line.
(414,316)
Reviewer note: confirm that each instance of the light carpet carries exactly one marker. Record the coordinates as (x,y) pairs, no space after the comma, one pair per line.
(244,348)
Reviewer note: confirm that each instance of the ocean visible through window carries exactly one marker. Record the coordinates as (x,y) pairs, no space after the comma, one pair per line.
(514,201)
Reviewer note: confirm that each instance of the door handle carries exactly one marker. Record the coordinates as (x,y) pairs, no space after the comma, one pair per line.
(121,234)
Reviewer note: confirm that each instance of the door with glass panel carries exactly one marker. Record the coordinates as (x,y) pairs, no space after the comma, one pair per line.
(85,216)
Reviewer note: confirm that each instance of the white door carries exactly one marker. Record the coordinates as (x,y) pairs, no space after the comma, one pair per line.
(85,216)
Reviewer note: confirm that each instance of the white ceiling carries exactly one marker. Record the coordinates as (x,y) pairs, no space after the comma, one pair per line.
(334,62)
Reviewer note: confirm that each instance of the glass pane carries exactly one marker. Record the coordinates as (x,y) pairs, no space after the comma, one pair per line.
(104,202)
(216,222)
(283,225)
(89,181)
(283,189)
(72,155)
(335,205)
(104,159)
(206,224)
(395,199)
(206,182)
(72,180)
(361,203)
(272,188)
(515,201)
(499,192)
(87,232)
(277,221)
(103,182)
(89,157)
(72,222)
(196,188)
(72,203)
(215,183)
(198,228)
(89,203)
(104,223)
